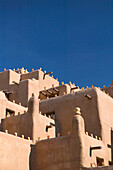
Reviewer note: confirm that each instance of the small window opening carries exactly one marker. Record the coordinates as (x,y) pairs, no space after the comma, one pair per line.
(100,161)
(110,162)
(9,113)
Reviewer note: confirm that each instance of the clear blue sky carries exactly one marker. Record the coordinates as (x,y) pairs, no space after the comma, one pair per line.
(72,38)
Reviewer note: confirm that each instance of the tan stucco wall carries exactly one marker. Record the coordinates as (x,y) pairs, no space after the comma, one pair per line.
(105,105)
(2,108)
(88,142)
(7,78)
(97,112)
(26,84)
(87,156)
(6,104)
(99,168)
(47,82)
(61,90)
(15,107)
(23,92)
(109,90)
(34,74)
(65,152)
(55,154)
(13,76)
(14,152)
(4,79)
(30,124)
(64,106)
(72,151)
(21,124)
(68,152)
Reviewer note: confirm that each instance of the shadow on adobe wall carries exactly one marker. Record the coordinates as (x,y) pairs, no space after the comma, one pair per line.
(99,168)
(111,147)
(1,125)
(31,163)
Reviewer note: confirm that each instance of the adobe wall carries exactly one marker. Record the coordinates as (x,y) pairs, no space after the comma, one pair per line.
(64,106)
(13,77)
(103,153)
(91,147)
(21,124)
(99,168)
(17,108)
(68,152)
(30,124)
(14,152)
(7,78)
(20,92)
(2,108)
(44,81)
(59,90)
(105,104)
(97,112)
(55,154)
(6,104)
(26,84)
(30,75)
(23,91)
(4,79)
(109,90)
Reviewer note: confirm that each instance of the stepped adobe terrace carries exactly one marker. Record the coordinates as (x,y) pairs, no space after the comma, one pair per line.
(47,126)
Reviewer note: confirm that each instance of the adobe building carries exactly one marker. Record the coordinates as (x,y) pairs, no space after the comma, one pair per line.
(47,126)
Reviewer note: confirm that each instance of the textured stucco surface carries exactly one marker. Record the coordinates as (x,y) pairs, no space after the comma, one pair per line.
(99,168)
(14,152)
(31,124)
(64,106)
(60,144)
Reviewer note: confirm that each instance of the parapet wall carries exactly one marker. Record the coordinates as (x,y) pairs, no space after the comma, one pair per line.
(7,106)
(8,77)
(45,81)
(99,168)
(14,152)
(56,154)
(63,107)
(30,124)
(96,107)
(105,106)
(21,84)
(23,91)
(61,153)
(21,124)
(69,152)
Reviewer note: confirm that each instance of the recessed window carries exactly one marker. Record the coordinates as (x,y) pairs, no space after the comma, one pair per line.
(9,113)
(100,161)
